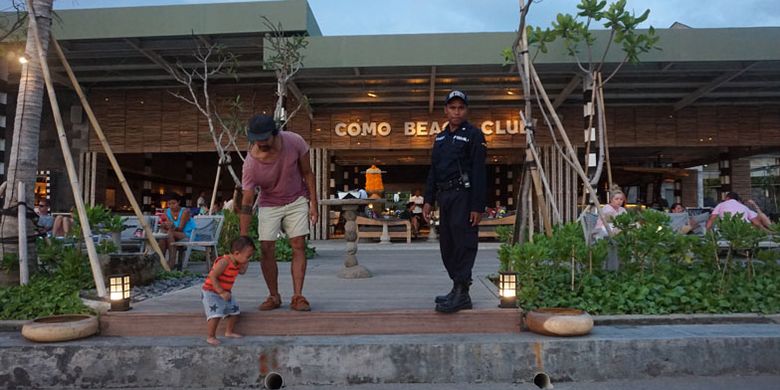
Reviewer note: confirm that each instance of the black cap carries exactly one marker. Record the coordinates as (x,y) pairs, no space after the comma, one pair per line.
(457,95)
(260,128)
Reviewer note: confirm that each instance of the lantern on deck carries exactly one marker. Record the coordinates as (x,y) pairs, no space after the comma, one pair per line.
(374,181)
(507,289)
(119,292)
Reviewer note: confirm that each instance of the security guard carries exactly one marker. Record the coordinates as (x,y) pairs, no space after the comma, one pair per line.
(457,180)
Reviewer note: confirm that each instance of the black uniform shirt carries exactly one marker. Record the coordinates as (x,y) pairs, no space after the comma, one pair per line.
(466,146)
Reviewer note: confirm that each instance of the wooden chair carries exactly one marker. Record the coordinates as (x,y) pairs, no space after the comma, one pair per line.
(205,237)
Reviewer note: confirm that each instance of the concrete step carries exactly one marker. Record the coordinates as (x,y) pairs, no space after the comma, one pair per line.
(609,353)
(290,323)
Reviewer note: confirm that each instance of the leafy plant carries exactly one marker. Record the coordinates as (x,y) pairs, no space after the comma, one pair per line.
(114,224)
(505,249)
(740,235)
(10,262)
(105,246)
(100,220)
(49,254)
(685,271)
(42,297)
(645,240)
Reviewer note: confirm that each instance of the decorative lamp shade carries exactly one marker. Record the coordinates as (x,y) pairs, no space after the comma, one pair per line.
(507,289)
(119,292)
(374,180)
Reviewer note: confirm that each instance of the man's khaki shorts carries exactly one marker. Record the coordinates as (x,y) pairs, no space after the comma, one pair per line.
(292,218)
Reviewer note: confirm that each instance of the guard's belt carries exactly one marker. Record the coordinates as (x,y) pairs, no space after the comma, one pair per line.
(449,185)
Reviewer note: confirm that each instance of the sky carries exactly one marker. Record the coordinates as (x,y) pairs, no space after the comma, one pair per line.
(369,17)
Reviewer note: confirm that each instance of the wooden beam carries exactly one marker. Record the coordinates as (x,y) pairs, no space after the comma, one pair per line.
(567,90)
(709,87)
(432,90)
(152,56)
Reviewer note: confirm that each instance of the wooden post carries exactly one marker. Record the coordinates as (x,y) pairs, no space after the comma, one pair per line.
(86,230)
(24,270)
(216,184)
(114,164)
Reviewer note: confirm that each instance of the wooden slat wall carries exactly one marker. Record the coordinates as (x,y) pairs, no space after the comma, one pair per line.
(563,189)
(165,124)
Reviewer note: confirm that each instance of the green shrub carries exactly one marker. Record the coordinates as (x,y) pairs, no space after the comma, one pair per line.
(44,296)
(54,290)
(662,272)
(9,262)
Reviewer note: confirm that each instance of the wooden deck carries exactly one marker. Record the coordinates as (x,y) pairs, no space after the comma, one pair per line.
(282,322)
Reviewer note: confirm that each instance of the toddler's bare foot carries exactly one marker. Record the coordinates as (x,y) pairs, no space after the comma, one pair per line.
(233,335)
(212,341)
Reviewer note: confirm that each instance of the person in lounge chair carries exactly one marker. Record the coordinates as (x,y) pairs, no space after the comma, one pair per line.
(732,204)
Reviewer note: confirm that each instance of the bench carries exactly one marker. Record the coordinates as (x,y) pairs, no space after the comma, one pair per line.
(376,228)
(487,227)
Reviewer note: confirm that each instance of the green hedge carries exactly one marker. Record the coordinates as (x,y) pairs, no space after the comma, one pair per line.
(660,271)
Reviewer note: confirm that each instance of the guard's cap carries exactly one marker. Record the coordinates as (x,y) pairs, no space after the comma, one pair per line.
(456,94)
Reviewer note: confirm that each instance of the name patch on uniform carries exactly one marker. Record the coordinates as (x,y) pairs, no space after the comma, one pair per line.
(460,138)
(440,138)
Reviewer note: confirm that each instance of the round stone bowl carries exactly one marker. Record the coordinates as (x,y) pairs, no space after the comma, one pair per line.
(60,328)
(559,321)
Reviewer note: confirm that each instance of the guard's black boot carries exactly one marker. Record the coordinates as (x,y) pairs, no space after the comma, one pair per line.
(460,299)
(445,298)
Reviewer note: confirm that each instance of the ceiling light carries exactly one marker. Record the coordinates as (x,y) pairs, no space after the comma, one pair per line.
(371,94)
(510,92)
(23,60)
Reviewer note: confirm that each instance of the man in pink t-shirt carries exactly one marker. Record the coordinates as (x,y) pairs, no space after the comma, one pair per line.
(732,205)
(278,164)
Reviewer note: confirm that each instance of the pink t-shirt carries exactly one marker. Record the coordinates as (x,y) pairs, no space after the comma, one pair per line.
(280,181)
(734,207)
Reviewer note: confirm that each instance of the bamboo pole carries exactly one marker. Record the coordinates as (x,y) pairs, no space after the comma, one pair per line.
(24,270)
(86,230)
(543,185)
(603,114)
(109,152)
(216,184)
(569,149)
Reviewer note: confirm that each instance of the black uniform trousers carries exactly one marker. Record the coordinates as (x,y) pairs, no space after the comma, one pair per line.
(457,238)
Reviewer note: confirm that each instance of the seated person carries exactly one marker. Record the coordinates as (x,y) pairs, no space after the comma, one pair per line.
(412,217)
(176,223)
(62,225)
(683,225)
(732,204)
(610,211)
(45,220)
(217,208)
